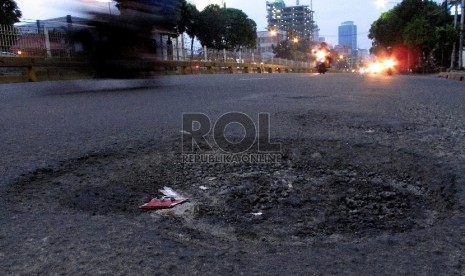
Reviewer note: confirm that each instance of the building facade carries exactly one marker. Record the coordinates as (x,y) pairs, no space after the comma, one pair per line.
(348,36)
(265,43)
(295,20)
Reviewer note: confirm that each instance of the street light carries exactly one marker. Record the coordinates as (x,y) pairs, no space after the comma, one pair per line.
(275,33)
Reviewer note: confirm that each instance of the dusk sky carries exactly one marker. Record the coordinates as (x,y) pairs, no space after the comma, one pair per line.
(328,14)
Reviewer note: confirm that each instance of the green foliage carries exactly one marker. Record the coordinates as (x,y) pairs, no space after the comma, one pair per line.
(296,50)
(241,31)
(212,27)
(413,24)
(189,19)
(420,34)
(221,28)
(9,12)
(294,47)
(215,27)
(283,49)
(189,22)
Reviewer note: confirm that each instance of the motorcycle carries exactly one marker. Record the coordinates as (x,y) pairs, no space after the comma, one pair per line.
(123,46)
(321,67)
(323,58)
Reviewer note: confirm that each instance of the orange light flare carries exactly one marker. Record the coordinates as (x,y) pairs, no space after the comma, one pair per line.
(375,68)
(321,55)
(389,63)
(380,66)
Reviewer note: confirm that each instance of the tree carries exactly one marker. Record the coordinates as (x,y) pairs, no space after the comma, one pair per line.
(294,48)
(222,28)
(420,34)
(283,49)
(189,21)
(9,12)
(413,25)
(212,27)
(241,31)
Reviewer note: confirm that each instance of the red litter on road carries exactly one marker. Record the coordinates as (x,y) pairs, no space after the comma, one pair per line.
(162,203)
(169,200)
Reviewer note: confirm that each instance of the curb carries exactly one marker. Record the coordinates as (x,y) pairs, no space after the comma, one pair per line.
(459,76)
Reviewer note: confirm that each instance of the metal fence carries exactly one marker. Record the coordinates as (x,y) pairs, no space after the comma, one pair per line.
(246,56)
(33,42)
(56,42)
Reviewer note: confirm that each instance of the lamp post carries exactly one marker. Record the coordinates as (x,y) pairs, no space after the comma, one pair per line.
(455,4)
(275,33)
(462,22)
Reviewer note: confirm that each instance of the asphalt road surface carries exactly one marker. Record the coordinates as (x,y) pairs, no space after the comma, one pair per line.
(369,182)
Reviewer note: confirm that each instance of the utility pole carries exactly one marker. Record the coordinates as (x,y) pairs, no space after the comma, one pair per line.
(454,50)
(462,21)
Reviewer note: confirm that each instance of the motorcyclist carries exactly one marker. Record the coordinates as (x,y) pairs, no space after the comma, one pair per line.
(123,45)
(323,58)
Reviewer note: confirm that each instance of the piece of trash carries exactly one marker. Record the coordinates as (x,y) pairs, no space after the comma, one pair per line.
(370,131)
(290,185)
(257,214)
(203,188)
(170,199)
(212,178)
(185,132)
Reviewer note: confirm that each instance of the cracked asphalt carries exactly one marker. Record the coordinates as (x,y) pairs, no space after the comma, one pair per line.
(370,181)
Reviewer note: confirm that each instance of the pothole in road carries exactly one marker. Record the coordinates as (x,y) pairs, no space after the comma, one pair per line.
(331,188)
(319,189)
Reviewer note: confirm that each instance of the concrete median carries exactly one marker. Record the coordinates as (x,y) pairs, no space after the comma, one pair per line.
(44,69)
(454,75)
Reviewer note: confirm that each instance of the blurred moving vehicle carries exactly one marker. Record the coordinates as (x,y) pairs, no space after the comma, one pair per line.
(123,45)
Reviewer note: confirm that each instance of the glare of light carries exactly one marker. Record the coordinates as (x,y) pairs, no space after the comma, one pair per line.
(321,56)
(457,9)
(380,4)
(273,33)
(341,57)
(20,53)
(296,40)
(375,68)
(389,63)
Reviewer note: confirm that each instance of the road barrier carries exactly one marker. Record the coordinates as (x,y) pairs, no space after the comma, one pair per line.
(21,69)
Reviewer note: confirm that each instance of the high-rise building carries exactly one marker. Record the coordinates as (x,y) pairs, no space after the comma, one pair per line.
(296,20)
(348,36)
